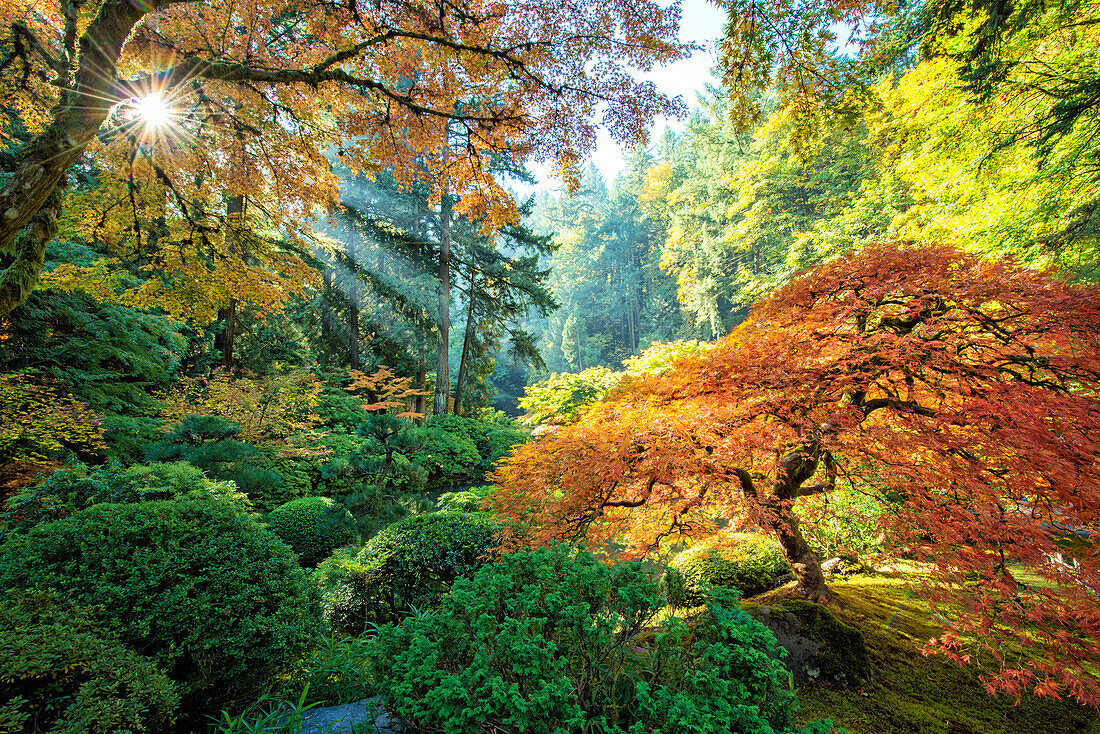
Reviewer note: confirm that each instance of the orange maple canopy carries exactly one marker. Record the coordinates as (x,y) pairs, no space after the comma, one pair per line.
(964,393)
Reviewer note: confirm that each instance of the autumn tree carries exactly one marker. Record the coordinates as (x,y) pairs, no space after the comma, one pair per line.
(254,108)
(964,393)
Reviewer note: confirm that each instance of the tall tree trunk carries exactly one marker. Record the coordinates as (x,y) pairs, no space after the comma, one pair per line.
(466,340)
(326,309)
(442,365)
(353,329)
(223,340)
(353,312)
(421,379)
(580,357)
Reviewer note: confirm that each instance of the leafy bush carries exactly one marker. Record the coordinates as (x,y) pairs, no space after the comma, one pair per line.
(217,601)
(313,527)
(339,410)
(59,673)
(74,488)
(845,524)
(563,398)
(448,454)
(410,563)
(496,442)
(552,641)
(749,562)
(466,501)
(659,357)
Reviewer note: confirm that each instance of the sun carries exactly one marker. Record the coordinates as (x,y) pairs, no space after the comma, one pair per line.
(153,111)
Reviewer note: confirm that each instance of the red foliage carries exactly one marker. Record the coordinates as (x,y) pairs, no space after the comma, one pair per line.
(964,392)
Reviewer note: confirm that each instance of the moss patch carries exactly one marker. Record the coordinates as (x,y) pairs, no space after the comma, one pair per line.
(914,694)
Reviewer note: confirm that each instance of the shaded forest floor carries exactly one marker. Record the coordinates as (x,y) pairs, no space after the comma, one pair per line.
(913,694)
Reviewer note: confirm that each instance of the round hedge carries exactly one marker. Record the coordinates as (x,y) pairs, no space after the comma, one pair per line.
(218,602)
(410,563)
(749,562)
(313,527)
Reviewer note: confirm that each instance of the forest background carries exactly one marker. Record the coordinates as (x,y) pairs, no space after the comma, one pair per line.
(273,249)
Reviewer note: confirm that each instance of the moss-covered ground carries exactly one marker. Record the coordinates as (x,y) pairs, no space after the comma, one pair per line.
(913,694)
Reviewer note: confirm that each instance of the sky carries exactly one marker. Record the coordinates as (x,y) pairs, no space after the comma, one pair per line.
(700,23)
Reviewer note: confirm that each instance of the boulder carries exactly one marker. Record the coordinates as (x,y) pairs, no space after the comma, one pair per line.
(820,648)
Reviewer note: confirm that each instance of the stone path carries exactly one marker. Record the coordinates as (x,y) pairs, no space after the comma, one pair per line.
(368,715)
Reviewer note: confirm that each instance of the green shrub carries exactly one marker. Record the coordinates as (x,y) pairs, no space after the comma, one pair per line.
(74,488)
(59,673)
(564,397)
(448,454)
(466,501)
(218,602)
(554,642)
(497,442)
(845,524)
(313,527)
(749,562)
(410,563)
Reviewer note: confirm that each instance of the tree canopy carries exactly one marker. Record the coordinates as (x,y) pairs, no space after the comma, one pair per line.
(963,392)
(193,103)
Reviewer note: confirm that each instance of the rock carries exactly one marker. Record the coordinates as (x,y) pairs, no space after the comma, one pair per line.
(342,719)
(820,648)
(830,565)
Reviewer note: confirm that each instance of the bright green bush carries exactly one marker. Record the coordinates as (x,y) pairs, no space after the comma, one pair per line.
(564,397)
(466,501)
(845,524)
(60,673)
(409,564)
(218,602)
(496,442)
(554,642)
(749,562)
(313,527)
(74,488)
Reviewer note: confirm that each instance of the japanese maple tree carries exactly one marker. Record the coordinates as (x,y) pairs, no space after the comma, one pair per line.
(965,393)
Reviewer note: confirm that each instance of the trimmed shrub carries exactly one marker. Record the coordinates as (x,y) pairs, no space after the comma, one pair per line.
(209,442)
(75,488)
(313,527)
(749,562)
(466,501)
(218,602)
(554,642)
(409,564)
(60,674)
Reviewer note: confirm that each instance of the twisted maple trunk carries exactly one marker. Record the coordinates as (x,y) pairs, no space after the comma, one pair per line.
(774,514)
(804,562)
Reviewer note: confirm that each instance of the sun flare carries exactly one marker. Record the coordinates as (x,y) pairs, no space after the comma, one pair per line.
(153,111)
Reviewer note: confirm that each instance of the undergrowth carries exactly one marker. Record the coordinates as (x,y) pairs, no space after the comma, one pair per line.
(913,694)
